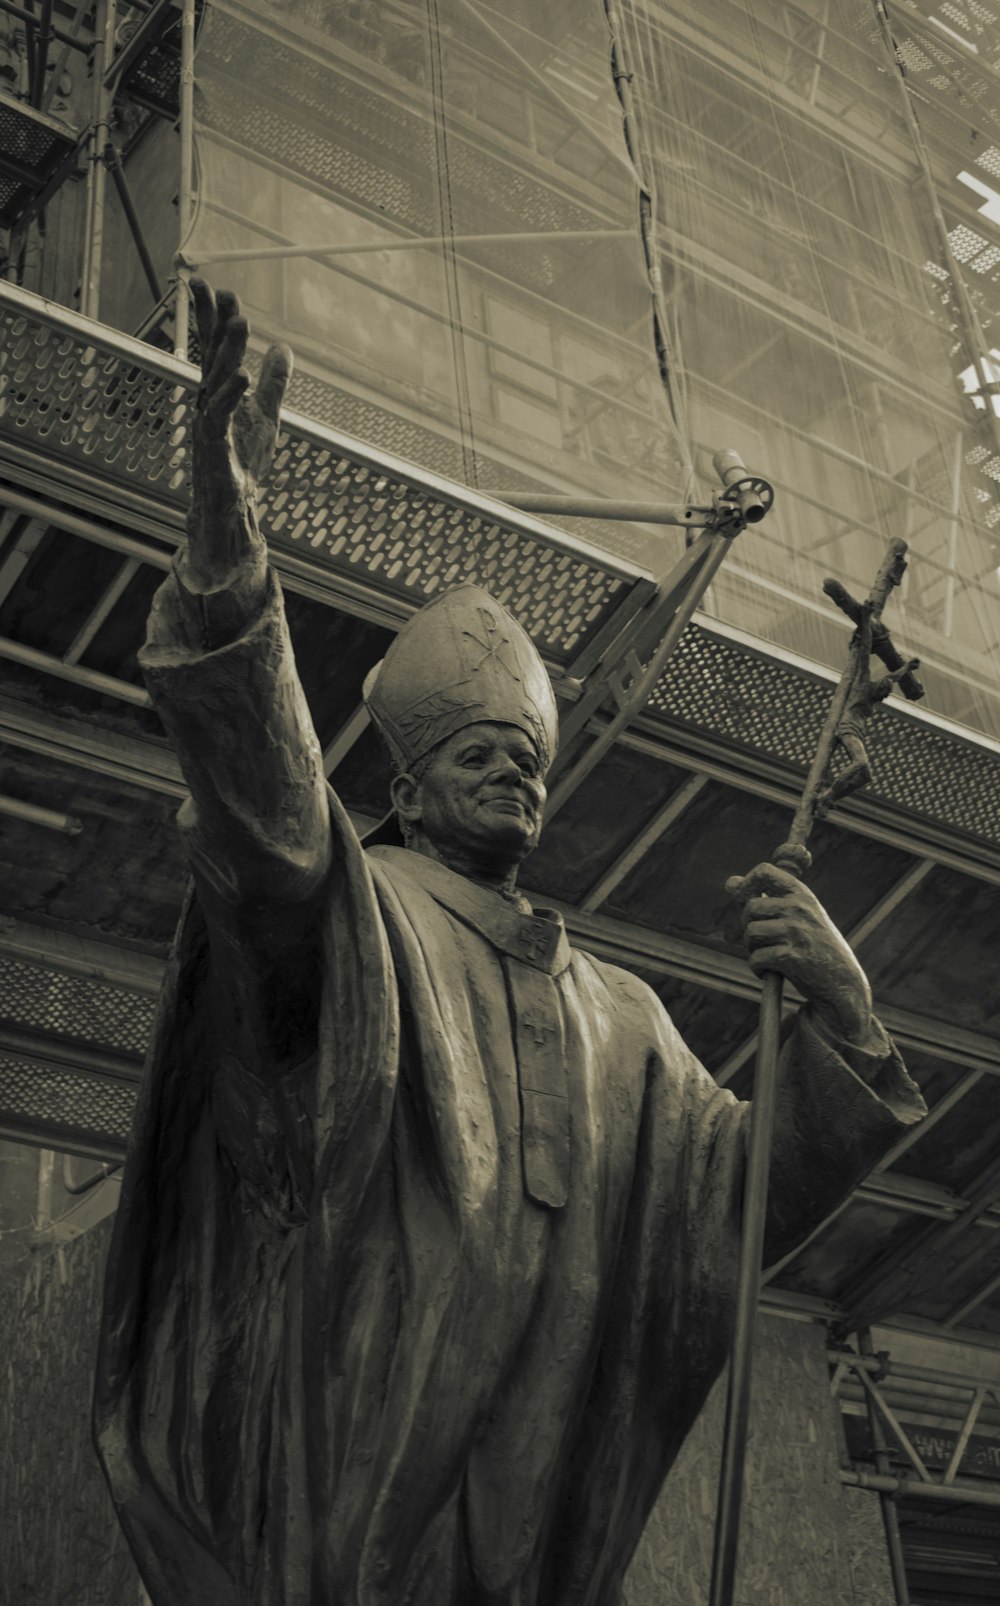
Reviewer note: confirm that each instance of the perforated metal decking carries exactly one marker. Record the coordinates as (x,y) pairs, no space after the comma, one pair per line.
(34,149)
(83,408)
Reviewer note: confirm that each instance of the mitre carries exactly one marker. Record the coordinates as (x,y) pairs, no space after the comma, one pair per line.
(460,660)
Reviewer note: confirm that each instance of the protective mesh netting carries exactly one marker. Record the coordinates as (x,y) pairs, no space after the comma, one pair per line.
(826,239)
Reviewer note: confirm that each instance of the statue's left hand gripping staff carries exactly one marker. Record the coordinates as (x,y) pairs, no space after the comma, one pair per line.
(233,437)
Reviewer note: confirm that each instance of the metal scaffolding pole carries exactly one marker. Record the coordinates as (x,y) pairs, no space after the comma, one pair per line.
(185,192)
(954,1494)
(93,236)
(887,1500)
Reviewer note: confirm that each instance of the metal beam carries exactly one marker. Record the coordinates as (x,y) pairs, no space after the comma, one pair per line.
(937,1113)
(18,558)
(894,1278)
(965,1307)
(963,1404)
(64,1139)
(650,834)
(99,612)
(54,1053)
(46,664)
(887,905)
(134,760)
(16,809)
(53,514)
(80,956)
(336,750)
(913,1489)
(776,781)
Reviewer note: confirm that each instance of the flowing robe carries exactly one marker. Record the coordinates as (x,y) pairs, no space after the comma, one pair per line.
(350,1356)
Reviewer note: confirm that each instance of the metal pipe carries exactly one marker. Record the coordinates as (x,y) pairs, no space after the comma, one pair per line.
(376,247)
(598,507)
(623,342)
(73,524)
(23,15)
(113,163)
(30,52)
(93,241)
(105,1169)
(182,306)
(35,815)
(961,1443)
(68,43)
(18,653)
(46,1171)
(99,613)
(888,1369)
(955,1493)
(42,1134)
(956,1316)
(41,54)
(883,1465)
(470,332)
(737,1422)
(902,1369)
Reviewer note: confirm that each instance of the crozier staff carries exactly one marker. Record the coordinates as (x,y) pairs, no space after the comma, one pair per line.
(426,1251)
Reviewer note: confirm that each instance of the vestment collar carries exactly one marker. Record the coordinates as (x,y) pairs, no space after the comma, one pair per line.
(537,939)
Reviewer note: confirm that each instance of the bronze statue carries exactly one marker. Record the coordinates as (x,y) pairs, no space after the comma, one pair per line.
(425,1257)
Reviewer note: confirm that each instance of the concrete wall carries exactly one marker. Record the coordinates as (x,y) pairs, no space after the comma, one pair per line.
(806,1538)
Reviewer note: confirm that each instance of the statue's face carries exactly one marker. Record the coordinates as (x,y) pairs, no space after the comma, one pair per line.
(482,793)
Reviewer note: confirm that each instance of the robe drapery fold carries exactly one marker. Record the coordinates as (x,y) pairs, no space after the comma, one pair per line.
(426,1251)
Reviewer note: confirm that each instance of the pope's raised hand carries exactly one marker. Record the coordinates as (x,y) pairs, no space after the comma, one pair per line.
(233,437)
(786,929)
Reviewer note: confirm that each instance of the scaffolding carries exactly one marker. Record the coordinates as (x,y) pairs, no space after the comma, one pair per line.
(397,477)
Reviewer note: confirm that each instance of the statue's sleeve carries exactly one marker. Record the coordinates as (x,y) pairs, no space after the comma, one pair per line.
(838,1109)
(671,1307)
(276,866)
(257,823)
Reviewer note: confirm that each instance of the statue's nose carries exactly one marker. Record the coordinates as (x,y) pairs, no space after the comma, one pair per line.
(506,768)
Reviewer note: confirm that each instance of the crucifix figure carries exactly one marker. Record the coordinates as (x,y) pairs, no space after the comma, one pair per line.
(403,1307)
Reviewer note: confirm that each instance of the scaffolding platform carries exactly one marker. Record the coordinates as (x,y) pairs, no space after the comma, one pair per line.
(86,412)
(148,65)
(95,422)
(36,153)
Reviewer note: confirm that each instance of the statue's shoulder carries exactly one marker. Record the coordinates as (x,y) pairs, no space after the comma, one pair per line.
(622,986)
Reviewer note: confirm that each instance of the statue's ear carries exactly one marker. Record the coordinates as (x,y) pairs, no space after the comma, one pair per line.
(407,799)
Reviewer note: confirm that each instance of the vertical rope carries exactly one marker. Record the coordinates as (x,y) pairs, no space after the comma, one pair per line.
(452,280)
(663,342)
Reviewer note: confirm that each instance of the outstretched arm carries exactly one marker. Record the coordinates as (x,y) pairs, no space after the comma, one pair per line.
(218,661)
